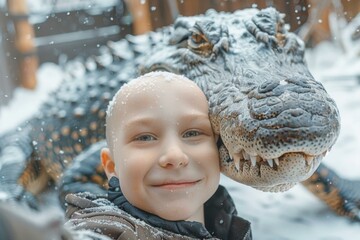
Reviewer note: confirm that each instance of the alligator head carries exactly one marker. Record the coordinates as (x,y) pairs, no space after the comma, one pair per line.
(275,121)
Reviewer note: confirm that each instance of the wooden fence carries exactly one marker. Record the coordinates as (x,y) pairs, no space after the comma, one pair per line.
(28,39)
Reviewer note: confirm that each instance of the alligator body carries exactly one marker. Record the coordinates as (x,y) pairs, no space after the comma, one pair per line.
(275,121)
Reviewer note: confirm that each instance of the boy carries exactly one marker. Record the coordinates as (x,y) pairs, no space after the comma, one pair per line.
(163,168)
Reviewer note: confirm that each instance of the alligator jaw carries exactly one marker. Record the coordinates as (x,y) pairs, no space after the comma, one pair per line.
(271,175)
(276,188)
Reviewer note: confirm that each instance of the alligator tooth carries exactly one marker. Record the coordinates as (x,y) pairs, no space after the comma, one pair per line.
(270,162)
(253,160)
(308,159)
(276,160)
(237,163)
(246,155)
(324,153)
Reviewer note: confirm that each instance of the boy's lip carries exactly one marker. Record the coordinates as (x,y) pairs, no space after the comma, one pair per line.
(177,184)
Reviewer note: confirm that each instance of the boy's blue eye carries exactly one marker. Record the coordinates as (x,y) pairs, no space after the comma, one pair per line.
(145,138)
(192,133)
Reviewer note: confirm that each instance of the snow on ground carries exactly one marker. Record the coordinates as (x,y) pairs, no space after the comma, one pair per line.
(25,102)
(295,214)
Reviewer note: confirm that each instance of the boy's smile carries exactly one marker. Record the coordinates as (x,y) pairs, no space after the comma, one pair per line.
(173,184)
(163,147)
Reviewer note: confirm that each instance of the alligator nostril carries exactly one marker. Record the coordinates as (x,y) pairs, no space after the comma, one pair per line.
(296,112)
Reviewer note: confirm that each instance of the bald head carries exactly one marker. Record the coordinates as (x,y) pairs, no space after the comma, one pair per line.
(151,90)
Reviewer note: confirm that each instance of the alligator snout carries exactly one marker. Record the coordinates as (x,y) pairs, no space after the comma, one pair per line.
(287,127)
(293,114)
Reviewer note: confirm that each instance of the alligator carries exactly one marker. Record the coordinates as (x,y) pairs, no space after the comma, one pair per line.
(275,121)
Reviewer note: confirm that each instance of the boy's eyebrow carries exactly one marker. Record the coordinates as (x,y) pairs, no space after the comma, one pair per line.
(139,120)
(196,116)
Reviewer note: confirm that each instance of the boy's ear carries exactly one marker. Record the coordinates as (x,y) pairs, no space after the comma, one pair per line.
(107,163)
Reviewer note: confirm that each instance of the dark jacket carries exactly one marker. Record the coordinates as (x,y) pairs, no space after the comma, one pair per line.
(116,218)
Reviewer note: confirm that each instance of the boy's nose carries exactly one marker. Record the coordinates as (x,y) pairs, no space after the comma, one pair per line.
(173,157)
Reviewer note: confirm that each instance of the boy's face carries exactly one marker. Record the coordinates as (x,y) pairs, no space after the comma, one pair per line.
(164,149)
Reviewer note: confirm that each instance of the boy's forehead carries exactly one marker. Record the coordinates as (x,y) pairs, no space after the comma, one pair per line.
(157,81)
(152,86)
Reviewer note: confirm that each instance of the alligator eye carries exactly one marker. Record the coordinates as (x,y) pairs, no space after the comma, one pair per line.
(198,38)
(199,43)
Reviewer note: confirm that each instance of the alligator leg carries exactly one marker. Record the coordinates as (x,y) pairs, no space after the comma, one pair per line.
(341,195)
(85,174)
(14,159)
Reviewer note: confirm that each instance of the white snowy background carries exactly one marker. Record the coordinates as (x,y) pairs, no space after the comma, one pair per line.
(295,214)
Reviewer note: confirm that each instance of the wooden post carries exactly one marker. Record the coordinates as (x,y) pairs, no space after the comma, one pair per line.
(24,43)
(140,12)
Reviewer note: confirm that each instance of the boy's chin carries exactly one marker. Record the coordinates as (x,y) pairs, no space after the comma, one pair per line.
(181,214)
